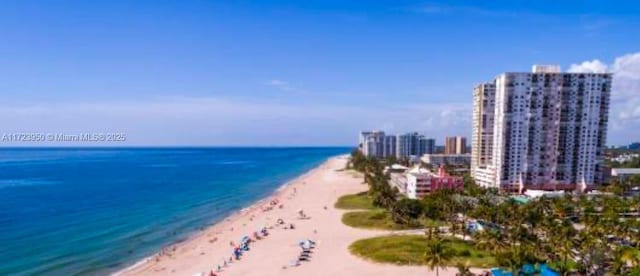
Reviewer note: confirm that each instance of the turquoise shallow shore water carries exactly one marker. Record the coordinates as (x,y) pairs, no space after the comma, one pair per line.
(79,211)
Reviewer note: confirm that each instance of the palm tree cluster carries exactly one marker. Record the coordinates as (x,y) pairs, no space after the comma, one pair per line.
(578,234)
(379,189)
(584,235)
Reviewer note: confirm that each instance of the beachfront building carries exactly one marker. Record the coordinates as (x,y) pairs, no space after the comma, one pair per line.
(438,160)
(455,145)
(417,182)
(372,143)
(413,144)
(547,132)
(389,145)
(426,146)
(482,136)
(379,145)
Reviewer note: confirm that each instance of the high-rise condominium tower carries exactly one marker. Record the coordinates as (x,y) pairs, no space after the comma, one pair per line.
(372,143)
(455,145)
(377,144)
(540,130)
(413,144)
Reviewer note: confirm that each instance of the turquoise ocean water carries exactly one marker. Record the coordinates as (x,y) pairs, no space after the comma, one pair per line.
(79,211)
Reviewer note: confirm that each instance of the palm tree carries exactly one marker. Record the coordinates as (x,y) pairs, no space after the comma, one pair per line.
(562,239)
(437,254)
(490,240)
(625,256)
(431,233)
(512,259)
(463,269)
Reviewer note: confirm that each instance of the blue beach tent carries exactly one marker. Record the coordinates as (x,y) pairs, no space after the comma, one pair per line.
(546,271)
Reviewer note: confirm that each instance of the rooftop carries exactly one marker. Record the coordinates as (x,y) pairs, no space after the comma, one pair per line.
(624,171)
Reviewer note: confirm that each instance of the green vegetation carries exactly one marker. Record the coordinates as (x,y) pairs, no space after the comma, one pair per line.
(381,193)
(375,219)
(383,220)
(573,234)
(406,211)
(359,201)
(411,250)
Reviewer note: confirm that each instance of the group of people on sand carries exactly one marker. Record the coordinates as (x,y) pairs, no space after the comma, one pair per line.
(241,248)
(272,204)
(305,254)
(165,252)
(281,222)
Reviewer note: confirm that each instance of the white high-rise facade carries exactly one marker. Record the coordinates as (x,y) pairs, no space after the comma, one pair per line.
(372,143)
(542,130)
(482,137)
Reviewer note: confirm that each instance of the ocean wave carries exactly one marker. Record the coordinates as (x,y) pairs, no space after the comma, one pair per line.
(162,165)
(239,162)
(13,183)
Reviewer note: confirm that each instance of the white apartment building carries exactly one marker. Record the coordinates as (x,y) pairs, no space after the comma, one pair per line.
(438,160)
(482,137)
(417,182)
(548,129)
(372,143)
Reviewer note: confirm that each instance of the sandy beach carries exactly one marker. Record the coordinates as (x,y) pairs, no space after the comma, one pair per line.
(315,193)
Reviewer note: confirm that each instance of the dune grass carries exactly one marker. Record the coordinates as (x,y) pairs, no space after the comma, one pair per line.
(360,201)
(410,250)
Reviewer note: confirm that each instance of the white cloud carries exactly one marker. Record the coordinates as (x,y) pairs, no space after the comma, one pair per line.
(277,83)
(624,114)
(431,8)
(594,66)
(284,86)
(441,9)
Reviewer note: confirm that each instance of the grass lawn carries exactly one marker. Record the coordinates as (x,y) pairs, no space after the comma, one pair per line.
(354,202)
(380,219)
(409,250)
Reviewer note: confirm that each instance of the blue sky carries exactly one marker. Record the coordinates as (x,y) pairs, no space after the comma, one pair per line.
(293,72)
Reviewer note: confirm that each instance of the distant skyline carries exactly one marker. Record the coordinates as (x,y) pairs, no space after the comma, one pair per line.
(265,73)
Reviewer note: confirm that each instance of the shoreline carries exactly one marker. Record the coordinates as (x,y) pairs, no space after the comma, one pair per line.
(308,201)
(230,219)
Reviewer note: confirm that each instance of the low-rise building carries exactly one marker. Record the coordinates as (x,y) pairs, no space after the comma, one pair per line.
(625,157)
(418,182)
(439,160)
(399,181)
